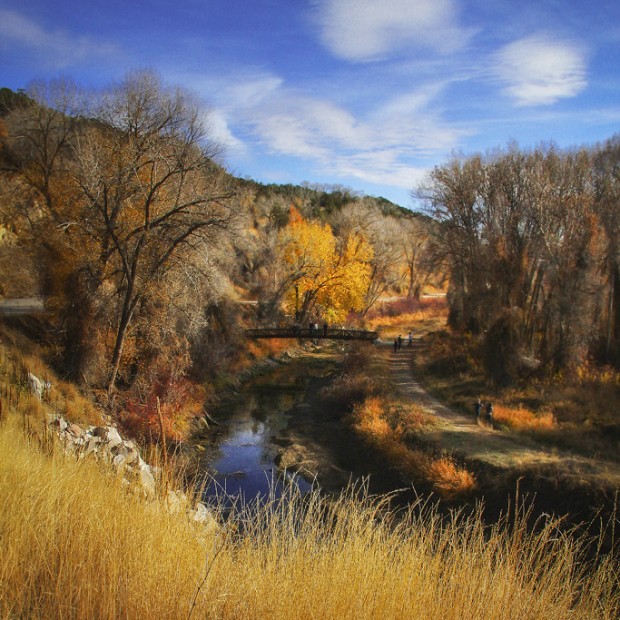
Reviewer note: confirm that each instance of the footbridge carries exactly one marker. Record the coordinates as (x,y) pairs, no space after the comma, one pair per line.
(331,333)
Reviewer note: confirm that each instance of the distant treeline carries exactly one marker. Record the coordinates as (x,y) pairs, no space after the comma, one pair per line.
(532,240)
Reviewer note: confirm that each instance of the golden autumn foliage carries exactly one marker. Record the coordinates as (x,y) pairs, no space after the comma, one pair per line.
(326,277)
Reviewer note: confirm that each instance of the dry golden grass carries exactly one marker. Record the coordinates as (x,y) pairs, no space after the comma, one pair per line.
(76,544)
(448,478)
(522,419)
(403,315)
(386,425)
(268,346)
(402,324)
(64,397)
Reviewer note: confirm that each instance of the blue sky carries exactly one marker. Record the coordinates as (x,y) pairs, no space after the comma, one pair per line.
(368,94)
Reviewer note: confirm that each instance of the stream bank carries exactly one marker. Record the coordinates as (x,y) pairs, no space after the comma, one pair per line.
(279,424)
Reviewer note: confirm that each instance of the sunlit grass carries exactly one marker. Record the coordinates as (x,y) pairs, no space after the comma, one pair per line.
(406,314)
(519,418)
(386,426)
(76,543)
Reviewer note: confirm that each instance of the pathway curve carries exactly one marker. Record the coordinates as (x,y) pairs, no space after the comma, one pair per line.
(464,436)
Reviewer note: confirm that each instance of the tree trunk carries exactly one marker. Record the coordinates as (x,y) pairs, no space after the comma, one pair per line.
(129,305)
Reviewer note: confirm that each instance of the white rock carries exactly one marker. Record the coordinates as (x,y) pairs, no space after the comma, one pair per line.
(200,513)
(204,517)
(76,430)
(146,480)
(92,446)
(56,420)
(125,454)
(113,438)
(35,385)
(176,501)
(118,461)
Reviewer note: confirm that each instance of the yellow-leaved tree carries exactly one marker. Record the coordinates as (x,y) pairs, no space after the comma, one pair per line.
(326,277)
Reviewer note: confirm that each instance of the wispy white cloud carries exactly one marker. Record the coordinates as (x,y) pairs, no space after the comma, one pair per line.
(51,49)
(219,131)
(379,167)
(250,91)
(539,71)
(376,147)
(363,30)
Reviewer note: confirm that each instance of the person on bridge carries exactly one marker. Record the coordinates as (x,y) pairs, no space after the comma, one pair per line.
(400,341)
(410,339)
(395,345)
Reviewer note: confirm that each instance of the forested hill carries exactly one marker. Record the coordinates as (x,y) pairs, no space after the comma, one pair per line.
(322,200)
(118,213)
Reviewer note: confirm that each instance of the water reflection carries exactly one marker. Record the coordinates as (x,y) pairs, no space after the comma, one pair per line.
(239,453)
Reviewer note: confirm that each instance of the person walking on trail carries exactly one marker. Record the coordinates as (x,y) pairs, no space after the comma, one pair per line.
(489,413)
(325,328)
(478,409)
(400,341)
(410,339)
(395,345)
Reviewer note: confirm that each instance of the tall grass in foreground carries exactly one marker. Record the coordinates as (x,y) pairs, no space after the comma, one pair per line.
(77,544)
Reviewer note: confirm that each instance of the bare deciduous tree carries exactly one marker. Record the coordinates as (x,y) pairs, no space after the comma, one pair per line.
(150,190)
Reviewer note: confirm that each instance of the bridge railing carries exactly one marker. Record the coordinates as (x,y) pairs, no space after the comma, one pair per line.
(333,333)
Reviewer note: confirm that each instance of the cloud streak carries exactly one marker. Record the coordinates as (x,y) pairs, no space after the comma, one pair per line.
(540,71)
(375,147)
(56,49)
(365,30)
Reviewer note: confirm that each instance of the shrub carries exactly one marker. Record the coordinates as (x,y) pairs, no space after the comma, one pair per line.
(382,426)
(523,419)
(169,406)
(348,390)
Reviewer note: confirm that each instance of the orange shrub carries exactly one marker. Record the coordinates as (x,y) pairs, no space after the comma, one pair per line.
(590,373)
(369,419)
(379,422)
(448,478)
(522,419)
(171,404)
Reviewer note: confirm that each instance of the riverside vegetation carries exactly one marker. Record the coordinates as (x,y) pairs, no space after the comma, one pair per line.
(79,543)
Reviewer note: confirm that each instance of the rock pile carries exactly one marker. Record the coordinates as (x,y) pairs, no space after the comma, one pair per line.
(104,443)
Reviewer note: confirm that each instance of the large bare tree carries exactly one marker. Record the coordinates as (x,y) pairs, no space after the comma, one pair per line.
(521,234)
(150,190)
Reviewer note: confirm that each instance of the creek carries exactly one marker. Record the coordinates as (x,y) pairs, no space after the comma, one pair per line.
(240,452)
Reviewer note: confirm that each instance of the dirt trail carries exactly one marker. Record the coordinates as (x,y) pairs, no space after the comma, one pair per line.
(464,436)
